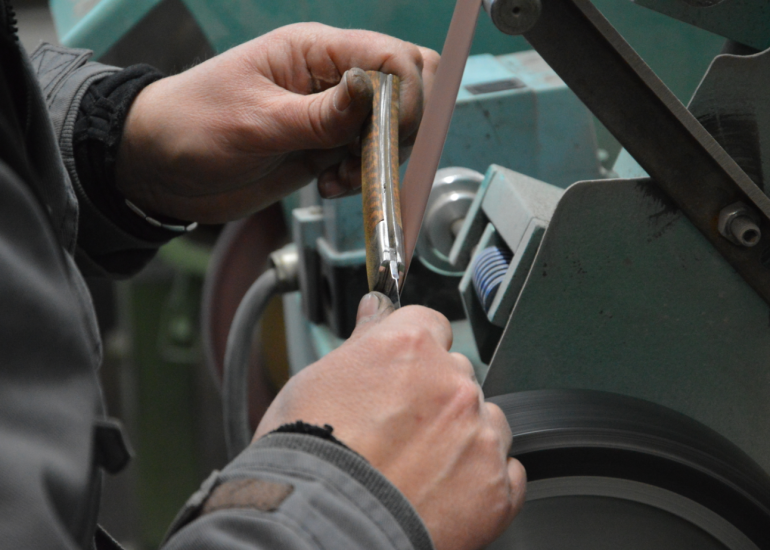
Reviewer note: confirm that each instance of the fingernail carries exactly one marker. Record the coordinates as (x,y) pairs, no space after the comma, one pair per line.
(370,305)
(329,187)
(342,99)
(354,84)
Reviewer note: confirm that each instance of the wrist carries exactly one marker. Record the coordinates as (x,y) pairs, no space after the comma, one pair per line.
(135,178)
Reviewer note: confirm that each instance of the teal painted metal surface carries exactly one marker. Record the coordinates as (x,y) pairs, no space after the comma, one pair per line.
(745,21)
(626,296)
(538,128)
(229,22)
(97,25)
(679,53)
(627,167)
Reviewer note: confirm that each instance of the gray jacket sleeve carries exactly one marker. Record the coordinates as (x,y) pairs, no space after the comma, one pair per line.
(298,492)
(285,492)
(49,397)
(49,351)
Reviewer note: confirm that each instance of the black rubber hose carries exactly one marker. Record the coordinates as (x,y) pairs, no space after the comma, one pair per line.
(236,370)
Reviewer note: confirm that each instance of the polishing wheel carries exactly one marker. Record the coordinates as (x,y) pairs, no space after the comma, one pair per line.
(607,471)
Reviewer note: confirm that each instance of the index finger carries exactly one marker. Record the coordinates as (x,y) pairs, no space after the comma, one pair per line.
(430,61)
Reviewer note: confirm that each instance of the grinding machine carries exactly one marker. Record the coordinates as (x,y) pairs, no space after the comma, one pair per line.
(619,315)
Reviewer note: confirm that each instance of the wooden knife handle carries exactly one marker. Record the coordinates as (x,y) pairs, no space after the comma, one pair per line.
(380,179)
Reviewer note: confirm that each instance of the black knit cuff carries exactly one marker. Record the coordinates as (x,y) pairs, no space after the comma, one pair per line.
(97,136)
(303,428)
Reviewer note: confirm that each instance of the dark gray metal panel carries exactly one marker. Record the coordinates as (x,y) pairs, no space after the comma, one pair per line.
(627,296)
(168,38)
(745,21)
(667,141)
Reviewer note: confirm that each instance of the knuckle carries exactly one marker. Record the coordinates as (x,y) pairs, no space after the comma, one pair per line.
(497,417)
(440,319)
(417,336)
(431,58)
(466,394)
(426,316)
(489,441)
(416,54)
(408,338)
(465,364)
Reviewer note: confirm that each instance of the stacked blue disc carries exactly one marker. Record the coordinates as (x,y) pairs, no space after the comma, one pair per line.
(488,272)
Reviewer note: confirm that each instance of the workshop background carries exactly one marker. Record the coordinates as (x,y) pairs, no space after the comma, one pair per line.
(156,375)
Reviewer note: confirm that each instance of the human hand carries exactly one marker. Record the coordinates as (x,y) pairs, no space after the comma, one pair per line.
(238,132)
(395,395)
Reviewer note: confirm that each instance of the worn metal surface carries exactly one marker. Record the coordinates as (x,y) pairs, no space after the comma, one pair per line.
(733,105)
(626,296)
(667,141)
(745,21)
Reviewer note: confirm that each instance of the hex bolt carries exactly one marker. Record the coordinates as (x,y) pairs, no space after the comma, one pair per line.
(740,225)
(513,17)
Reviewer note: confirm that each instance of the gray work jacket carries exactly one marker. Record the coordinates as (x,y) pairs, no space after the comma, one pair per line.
(287,491)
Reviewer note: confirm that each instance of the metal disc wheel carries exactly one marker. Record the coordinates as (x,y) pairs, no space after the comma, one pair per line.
(608,472)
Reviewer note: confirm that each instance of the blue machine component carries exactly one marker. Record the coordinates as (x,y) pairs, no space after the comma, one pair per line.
(488,273)
(511,211)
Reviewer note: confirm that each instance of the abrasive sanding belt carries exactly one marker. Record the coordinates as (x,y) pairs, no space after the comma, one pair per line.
(431,136)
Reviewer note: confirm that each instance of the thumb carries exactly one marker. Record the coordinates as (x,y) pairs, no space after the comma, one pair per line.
(374,307)
(332,118)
